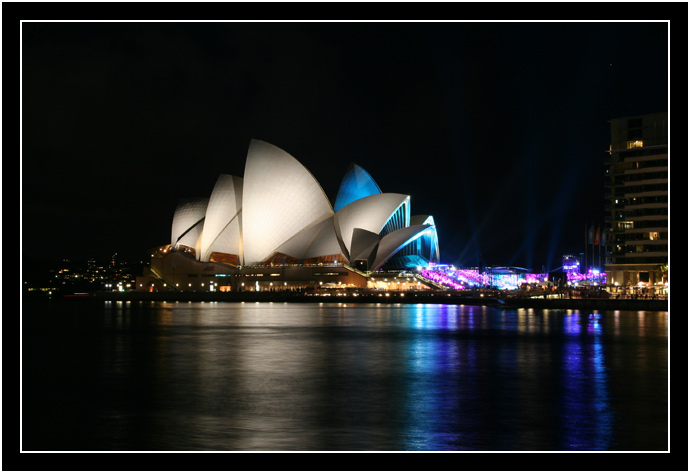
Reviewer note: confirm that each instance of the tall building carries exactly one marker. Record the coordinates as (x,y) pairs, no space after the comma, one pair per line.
(636,205)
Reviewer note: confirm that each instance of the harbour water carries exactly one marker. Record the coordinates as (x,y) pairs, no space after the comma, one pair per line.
(232,376)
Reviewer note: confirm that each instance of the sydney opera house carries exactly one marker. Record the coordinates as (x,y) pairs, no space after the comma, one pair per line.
(275,229)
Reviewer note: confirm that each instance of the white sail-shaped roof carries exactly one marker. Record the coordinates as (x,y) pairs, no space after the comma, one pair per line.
(222,223)
(312,242)
(279,207)
(422,220)
(363,244)
(325,242)
(188,222)
(369,213)
(280,198)
(391,243)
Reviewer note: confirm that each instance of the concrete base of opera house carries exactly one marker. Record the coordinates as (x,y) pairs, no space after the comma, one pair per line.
(182,272)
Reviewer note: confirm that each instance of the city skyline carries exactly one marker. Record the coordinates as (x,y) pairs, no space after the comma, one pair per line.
(497,129)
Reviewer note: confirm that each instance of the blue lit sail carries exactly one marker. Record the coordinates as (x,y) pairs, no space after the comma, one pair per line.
(356,184)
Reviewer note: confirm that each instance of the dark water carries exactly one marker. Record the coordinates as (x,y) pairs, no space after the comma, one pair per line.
(121,376)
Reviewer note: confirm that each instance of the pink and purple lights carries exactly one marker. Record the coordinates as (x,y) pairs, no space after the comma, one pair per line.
(441,278)
(503,278)
(592,275)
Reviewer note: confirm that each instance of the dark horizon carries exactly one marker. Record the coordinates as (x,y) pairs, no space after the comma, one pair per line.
(498,130)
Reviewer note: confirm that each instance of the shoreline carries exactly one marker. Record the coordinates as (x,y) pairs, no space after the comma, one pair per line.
(393,298)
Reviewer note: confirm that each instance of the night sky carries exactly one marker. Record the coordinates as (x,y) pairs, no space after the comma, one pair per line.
(497,129)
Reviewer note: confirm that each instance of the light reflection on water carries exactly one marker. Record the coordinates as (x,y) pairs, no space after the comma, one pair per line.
(377,377)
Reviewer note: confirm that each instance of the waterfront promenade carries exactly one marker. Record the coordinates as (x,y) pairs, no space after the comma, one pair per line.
(418,297)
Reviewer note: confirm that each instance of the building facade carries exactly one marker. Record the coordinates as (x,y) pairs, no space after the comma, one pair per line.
(278,216)
(636,207)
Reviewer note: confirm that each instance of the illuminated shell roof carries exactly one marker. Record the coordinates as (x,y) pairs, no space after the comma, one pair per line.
(391,243)
(312,242)
(370,213)
(279,207)
(222,223)
(280,198)
(356,184)
(364,245)
(188,221)
(422,220)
